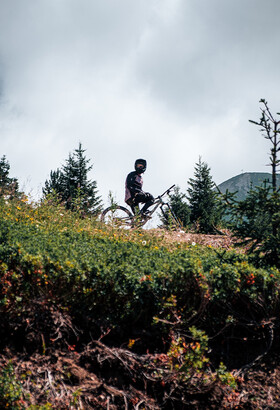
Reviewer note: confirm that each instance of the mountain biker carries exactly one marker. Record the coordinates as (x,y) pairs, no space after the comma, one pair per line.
(134,195)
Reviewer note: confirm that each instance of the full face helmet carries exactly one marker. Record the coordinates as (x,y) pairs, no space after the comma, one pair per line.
(140,166)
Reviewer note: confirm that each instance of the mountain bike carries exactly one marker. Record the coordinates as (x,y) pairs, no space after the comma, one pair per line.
(119,216)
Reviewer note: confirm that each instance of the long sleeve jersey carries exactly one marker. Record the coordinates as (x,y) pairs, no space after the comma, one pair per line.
(133,185)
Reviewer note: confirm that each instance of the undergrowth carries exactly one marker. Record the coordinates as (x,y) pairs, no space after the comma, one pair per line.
(71,279)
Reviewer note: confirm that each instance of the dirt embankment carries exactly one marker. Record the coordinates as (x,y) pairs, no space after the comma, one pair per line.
(102,377)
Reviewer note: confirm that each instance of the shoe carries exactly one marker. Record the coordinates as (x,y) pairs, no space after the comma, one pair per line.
(146,214)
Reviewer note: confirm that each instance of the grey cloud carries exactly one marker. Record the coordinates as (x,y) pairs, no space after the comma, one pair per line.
(51,48)
(164,79)
(94,28)
(203,59)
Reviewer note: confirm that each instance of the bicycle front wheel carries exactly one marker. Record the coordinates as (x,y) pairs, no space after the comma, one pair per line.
(118,217)
(170,220)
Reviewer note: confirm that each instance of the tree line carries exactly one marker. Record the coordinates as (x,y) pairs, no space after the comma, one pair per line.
(69,185)
(201,209)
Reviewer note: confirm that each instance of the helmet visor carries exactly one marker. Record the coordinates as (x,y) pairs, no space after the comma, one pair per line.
(140,167)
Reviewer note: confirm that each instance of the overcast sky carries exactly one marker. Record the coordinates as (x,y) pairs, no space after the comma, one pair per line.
(166,80)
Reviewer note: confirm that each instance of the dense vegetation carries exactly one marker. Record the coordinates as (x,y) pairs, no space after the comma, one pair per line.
(67,281)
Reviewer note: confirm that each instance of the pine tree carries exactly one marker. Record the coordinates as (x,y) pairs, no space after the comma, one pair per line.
(8,186)
(256,220)
(205,208)
(180,207)
(72,186)
(55,183)
(271,129)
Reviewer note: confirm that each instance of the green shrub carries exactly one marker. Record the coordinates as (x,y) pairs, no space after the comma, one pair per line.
(11,395)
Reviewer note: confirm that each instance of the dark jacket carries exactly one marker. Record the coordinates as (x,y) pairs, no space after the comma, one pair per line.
(133,185)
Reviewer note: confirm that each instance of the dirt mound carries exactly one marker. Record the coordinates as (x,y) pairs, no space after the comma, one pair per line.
(225,240)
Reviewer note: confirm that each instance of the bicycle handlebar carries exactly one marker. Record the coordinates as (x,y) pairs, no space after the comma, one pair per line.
(167,191)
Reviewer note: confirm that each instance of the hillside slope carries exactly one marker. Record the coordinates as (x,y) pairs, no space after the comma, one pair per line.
(94,317)
(242,183)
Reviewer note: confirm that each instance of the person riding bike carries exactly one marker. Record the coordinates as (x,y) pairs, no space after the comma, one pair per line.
(134,195)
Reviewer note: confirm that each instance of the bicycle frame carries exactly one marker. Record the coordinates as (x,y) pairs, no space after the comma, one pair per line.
(160,203)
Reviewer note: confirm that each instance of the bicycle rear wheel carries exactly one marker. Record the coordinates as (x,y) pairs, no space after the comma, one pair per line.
(118,217)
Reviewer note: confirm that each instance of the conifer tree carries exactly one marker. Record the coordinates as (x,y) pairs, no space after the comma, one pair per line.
(72,186)
(256,220)
(8,186)
(180,207)
(270,127)
(205,208)
(54,184)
